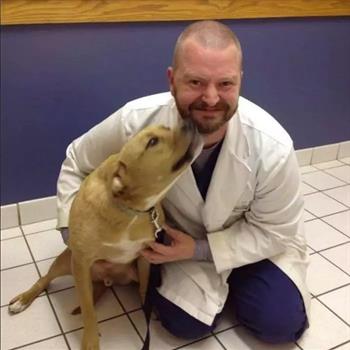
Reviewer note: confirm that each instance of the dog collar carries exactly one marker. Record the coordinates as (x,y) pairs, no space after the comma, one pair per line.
(153,214)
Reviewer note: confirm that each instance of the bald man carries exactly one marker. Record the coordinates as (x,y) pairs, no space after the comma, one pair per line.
(235,218)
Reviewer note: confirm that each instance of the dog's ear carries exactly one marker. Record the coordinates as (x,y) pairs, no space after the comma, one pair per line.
(117,181)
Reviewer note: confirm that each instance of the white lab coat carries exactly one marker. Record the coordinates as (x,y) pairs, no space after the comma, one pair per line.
(253,209)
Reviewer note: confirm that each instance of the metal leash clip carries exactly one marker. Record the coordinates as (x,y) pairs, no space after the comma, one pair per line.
(154,219)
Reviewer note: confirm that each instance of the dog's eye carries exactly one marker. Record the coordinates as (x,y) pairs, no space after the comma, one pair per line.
(152,142)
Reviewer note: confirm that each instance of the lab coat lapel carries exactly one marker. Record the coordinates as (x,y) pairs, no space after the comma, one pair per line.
(229,178)
(186,183)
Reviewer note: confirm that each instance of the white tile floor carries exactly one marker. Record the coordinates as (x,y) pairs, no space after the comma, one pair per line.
(28,250)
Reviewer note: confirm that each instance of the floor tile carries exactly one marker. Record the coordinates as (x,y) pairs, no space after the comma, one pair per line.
(340,256)
(307,189)
(323,276)
(17,280)
(340,221)
(307,169)
(65,301)
(321,180)
(341,194)
(339,302)
(160,337)
(59,283)
(321,205)
(11,233)
(35,323)
(308,216)
(129,296)
(239,338)
(206,344)
(56,343)
(345,160)
(14,252)
(310,250)
(116,334)
(342,173)
(47,244)
(39,226)
(320,235)
(326,330)
(327,165)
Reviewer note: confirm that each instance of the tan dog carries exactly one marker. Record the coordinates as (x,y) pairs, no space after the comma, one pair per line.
(114,215)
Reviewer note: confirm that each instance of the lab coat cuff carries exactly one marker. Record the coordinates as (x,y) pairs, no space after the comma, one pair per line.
(223,258)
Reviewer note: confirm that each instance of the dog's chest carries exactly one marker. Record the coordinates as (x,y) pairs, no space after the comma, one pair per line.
(124,251)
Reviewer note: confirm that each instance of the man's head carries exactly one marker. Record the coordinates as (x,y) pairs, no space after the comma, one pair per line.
(205,78)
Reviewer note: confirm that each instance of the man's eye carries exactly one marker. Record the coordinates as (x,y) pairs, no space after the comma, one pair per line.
(195,82)
(152,142)
(226,83)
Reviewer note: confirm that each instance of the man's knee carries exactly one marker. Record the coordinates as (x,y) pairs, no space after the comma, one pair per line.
(268,302)
(178,322)
(277,324)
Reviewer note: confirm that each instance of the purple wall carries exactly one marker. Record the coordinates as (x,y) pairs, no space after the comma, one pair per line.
(57,81)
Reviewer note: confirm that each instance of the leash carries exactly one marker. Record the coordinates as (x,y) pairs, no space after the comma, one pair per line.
(154,279)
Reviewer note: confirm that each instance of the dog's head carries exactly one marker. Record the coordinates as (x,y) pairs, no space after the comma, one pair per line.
(150,163)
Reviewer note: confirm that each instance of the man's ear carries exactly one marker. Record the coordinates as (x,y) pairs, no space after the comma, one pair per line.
(170,74)
(117,181)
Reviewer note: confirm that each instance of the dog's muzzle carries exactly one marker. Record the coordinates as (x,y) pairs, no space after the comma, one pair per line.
(188,128)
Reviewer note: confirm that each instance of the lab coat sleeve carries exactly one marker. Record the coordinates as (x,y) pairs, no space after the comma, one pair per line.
(272,222)
(83,155)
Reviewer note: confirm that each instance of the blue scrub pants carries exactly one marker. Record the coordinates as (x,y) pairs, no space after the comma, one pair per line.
(261,296)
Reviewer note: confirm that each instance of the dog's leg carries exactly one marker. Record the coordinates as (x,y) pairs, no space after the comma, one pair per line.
(82,276)
(143,269)
(99,288)
(60,267)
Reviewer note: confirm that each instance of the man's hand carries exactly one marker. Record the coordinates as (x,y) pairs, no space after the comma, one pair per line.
(182,247)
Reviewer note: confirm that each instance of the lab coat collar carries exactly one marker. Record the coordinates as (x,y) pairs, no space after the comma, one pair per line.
(228,182)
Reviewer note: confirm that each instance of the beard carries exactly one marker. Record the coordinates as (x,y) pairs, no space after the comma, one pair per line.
(207,123)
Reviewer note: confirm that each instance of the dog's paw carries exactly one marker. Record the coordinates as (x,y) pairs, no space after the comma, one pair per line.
(76,311)
(17,306)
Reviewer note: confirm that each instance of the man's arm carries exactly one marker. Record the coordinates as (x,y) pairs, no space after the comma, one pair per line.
(272,223)
(83,156)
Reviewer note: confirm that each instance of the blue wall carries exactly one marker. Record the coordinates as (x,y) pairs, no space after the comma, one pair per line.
(57,81)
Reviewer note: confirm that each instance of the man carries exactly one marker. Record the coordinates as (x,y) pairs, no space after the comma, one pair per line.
(236,215)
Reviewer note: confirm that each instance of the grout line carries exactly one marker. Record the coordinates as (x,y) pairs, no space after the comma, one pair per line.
(36,342)
(332,290)
(331,262)
(335,228)
(339,345)
(220,342)
(330,247)
(18,214)
(127,314)
(333,312)
(193,342)
(46,293)
(324,189)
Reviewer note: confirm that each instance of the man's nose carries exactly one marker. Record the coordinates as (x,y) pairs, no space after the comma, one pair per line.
(210,95)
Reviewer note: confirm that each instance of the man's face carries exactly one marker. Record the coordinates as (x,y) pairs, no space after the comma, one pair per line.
(206,85)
